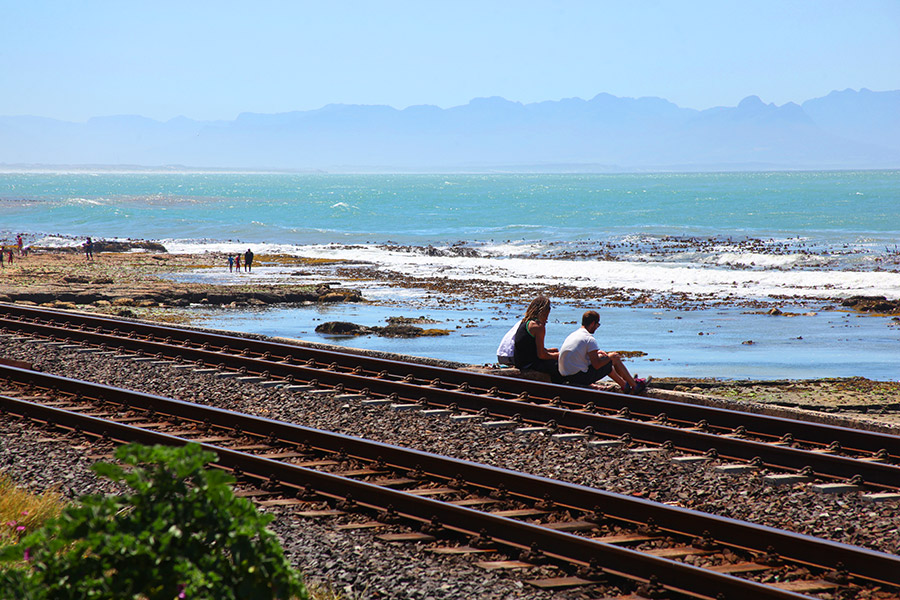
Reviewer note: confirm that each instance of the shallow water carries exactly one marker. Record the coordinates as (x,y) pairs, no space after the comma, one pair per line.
(720,239)
(833,344)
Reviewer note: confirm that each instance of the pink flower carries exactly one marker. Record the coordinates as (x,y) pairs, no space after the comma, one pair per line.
(12,523)
(24,513)
(20,528)
(27,554)
(181,593)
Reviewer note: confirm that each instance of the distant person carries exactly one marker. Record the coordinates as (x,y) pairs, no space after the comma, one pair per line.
(89,249)
(582,363)
(248,259)
(10,256)
(529,351)
(506,349)
(237,263)
(230,263)
(19,244)
(2,266)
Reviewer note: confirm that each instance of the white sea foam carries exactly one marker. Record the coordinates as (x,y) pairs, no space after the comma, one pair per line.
(649,277)
(511,248)
(754,259)
(671,276)
(52,241)
(90,201)
(227,247)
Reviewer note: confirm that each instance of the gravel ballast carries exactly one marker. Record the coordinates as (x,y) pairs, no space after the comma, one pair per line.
(358,563)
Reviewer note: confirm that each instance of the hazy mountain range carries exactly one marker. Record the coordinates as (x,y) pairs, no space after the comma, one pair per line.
(843,130)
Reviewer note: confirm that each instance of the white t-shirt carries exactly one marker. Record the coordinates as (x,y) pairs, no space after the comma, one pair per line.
(573,354)
(508,343)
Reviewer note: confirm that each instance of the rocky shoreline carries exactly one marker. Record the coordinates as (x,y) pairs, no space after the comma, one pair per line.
(125,277)
(128,279)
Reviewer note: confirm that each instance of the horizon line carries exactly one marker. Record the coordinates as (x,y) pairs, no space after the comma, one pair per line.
(524,104)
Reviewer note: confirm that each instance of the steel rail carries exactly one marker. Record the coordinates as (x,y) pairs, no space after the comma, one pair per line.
(874,473)
(720,419)
(571,548)
(861,562)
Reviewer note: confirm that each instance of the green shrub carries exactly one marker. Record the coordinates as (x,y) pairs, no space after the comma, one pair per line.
(179,532)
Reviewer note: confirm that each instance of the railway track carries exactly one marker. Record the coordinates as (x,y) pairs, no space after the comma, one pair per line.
(800,449)
(474,507)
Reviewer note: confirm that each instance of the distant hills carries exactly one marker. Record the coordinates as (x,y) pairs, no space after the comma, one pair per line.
(844,130)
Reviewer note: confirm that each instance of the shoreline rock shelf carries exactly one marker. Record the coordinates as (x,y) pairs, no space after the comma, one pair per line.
(180,298)
(134,279)
(393,329)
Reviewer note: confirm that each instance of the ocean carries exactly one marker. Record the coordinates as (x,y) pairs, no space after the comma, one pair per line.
(704,253)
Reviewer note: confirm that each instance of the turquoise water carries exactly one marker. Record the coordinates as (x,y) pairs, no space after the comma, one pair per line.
(827,344)
(719,242)
(835,207)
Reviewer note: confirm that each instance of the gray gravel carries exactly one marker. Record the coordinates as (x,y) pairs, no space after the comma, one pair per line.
(369,568)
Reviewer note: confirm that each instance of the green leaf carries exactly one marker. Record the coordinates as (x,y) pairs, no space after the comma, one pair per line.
(179,524)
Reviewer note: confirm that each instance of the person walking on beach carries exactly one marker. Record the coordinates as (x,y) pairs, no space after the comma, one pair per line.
(248,259)
(582,363)
(230,263)
(89,249)
(19,243)
(10,257)
(529,351)
(237,263)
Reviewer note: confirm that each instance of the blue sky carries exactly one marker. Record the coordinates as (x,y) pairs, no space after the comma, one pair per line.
(72,59)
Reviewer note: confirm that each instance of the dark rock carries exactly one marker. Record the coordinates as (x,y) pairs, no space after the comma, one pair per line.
(106,246)
(463,251)
(394,330)
(407,331)
(128,246)
(342,328)
(876,304)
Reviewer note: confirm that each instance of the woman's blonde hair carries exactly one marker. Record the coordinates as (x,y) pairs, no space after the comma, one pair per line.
(536,307)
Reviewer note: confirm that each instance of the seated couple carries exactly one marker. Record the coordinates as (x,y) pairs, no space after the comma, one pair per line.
(579,362)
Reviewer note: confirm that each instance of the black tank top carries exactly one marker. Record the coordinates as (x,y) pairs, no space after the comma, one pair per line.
(525,347)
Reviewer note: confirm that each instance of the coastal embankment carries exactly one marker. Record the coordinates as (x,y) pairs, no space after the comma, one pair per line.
(137,282)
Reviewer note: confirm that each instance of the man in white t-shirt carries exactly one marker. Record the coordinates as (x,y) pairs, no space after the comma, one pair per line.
(581,362)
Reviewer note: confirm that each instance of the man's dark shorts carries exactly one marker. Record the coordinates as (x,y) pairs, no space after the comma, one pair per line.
(583,378)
